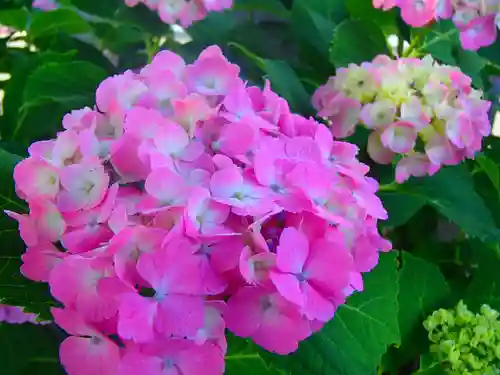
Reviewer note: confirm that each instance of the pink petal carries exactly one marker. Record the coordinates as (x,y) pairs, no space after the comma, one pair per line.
(292,251)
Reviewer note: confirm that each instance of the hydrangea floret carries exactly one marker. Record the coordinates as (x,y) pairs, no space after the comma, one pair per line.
(15,315)
(183,11)
(426,112)
(187,202)
(466,343)
(476,20)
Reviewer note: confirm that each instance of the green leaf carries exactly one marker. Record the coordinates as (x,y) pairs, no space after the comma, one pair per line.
(57,21)
(355,340)
(422,289)
(471,64)
(15,18)
(107,9)
(60,87)
(491,170)
(491,52)
(284,82)
(312,27)
(243,358)
(440,41)
(27,347)
(365,11)
(275,7)
(400,207)
(451,192)
(356,41)
(485,285)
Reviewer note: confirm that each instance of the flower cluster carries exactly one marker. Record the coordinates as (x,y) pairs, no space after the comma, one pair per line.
(186,202)
(477,20)
(183,11)
(467,343)
(417,108)
(15,315)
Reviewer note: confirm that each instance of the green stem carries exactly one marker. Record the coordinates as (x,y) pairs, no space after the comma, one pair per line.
(393,186)
(152,47)
(413,45)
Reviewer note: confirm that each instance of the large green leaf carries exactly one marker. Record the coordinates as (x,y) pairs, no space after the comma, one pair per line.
(243,358)
(400,207)
(365,11)
(15,18)
(57,21)
(440,41)
(356,41)
(312,27)
(52,90)
(451,192)
(29,350)
(422,289)
(355,340)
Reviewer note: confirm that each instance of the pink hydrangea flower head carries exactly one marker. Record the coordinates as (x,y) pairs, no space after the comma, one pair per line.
(411,100)
(188,202)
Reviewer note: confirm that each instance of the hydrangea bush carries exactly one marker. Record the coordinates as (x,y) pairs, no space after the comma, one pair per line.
(249,187)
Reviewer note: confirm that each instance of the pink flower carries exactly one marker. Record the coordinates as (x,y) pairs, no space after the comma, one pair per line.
(305,275)
(266,317)
(40,260)
(229,186)
(414,165)
(74,282)
(407,103)
(177,307)
(87,351)
(84,186)
(400,137)
(204,215)
(480,32)
(35,178)
(175,357)
(417,13)
(212,74)
(185,188)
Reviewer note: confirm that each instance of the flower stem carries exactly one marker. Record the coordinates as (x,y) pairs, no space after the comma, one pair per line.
(393,186)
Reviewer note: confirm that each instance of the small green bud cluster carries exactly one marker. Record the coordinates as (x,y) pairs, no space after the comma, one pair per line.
(467,343)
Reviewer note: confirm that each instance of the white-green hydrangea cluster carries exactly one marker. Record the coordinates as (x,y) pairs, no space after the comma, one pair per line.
(467,343)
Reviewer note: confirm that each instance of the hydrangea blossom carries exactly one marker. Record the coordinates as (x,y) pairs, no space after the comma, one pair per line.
(464,342)
(187,202)
(183,11)
(477,20)
(15,315)
(416,108)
